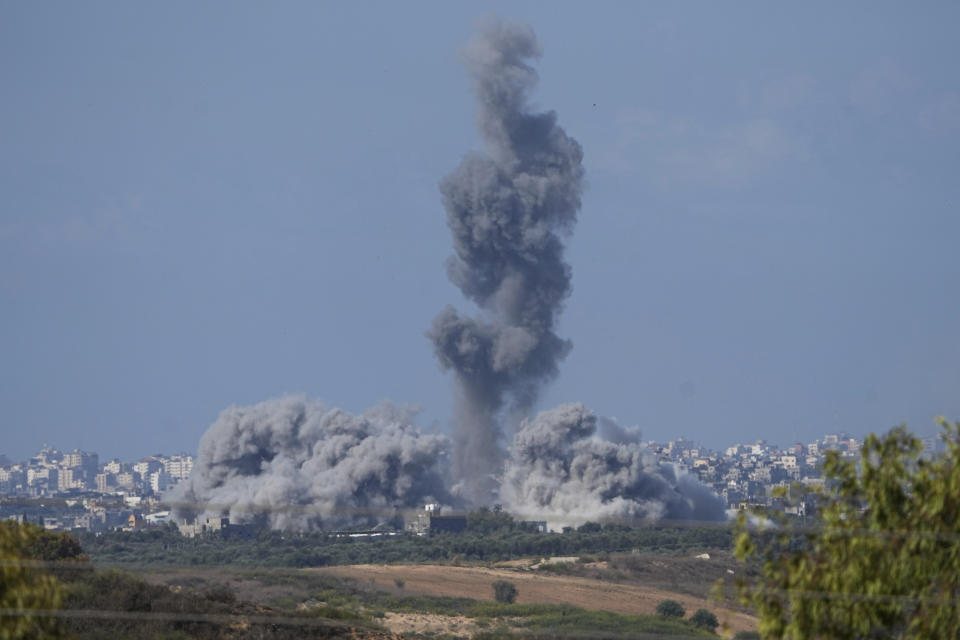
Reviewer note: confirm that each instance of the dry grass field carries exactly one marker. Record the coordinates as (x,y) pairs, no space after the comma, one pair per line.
(533,587)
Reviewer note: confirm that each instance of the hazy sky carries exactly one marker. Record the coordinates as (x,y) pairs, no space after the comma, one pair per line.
(205,204)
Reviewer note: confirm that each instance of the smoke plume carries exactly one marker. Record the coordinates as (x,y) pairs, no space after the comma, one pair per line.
(300,464)
(559,470)
(507,209)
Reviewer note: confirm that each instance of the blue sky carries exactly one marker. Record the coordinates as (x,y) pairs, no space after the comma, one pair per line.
(206,204)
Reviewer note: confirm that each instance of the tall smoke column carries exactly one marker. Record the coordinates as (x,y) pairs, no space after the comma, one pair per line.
(506,209)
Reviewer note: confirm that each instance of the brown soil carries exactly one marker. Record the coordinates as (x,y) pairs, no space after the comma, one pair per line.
(533,587)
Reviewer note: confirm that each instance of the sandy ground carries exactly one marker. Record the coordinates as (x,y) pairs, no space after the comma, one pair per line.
(429,622)
(532,587)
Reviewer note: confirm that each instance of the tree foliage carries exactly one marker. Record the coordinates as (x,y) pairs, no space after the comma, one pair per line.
(704,619)
(671,609)
(882,558)
(275,548)
(504,591)
(24,586)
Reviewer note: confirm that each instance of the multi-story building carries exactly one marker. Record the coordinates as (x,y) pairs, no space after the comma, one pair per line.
(71,478)
(13,479)
(105,482)
(47,457)
(116,467)
(43,480)
(160,481)
(83,464)
(128,480)
(179,466)
(147,466)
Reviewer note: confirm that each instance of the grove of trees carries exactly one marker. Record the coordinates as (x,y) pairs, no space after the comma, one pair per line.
(276,548)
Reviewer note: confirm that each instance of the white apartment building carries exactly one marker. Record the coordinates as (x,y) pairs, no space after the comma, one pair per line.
(71,478)
(160,481)
(147,466)
(179,467)
(788,462)
(115,467)
(42,475)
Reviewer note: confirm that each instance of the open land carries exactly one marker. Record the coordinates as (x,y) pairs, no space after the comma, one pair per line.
(397,597)
(534,587)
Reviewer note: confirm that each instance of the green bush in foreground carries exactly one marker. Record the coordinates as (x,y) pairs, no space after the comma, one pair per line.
(25,587)
(881,558)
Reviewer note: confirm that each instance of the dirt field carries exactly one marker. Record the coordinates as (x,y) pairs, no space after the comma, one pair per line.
(532,587)
(429,623)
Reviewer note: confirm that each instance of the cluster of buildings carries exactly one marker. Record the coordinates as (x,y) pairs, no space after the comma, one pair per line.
(73,490)
(746,475)
(54,473)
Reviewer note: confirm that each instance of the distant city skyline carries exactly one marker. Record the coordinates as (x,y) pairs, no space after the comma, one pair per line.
(98,495)
(217,204)
(782,446)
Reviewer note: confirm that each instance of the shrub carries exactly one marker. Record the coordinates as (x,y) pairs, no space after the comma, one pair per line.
(400,582)
(504,591)
(671,609)
(704,619)
(220,593)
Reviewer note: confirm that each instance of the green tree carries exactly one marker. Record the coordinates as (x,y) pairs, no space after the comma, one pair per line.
(704,619)
(671,609)
(882,558)
(504,591)
(24,586)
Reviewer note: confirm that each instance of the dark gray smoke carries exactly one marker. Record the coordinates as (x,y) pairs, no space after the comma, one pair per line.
(507,210)
(558,471)
(300,464)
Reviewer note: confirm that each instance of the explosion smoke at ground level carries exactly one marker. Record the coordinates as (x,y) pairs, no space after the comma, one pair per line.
(298,464)
(291,451)
(558,466)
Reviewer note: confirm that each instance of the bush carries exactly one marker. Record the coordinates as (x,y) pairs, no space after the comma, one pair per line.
(400,582)
(671,609)
(504,591)
(747,635)
(221,593)
(704,619)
